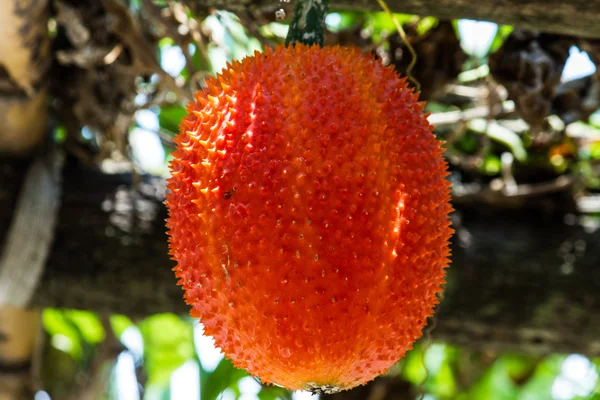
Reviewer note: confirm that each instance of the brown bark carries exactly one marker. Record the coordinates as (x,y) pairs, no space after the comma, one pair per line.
(568,17)
(520,278)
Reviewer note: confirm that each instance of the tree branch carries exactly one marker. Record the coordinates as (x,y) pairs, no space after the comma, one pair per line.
(574,17)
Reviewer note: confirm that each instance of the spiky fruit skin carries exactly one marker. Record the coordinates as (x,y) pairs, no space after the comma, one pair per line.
(309,216)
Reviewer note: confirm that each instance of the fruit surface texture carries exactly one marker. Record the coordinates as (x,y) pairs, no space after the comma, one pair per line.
(309,216)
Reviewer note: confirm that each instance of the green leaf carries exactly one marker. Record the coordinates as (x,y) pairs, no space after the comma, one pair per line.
(477,73)
(274,29)
(162,44)
(595,119)
(200,62)
(467,143)
(380,23)
(435,107)
(434,370)
(501,135)
(518,366)
(539,386)
(170,117)
(89,325)
(413,369)
(218,58)
(491,165)
(589,175)
(494,384)
(168,344)
(594,150)
(501,35)
(225,376)
(274,393)
(154,391)
(253,45)
(235,29)
(64,335)
(119,324)
(426,24)
(60,134)
(347,19)
(443,383)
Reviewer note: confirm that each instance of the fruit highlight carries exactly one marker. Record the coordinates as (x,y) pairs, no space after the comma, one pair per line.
(308,216)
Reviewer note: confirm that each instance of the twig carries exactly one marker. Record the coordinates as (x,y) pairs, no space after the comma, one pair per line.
(467,91)
(95,377)
(407,43)
(507,161)
(453,117)
(66,15)
(253,28)
(125,27)
(496,193)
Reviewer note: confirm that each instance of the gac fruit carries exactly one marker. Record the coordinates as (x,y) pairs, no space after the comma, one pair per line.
(308,215)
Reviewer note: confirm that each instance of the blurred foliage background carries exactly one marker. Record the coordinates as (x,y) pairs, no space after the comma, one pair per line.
(518,111)
(166,357)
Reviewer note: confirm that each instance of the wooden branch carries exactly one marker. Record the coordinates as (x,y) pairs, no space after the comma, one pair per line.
(520,278)
(567,17)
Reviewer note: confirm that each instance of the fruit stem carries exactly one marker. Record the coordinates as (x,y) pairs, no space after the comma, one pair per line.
(308,22)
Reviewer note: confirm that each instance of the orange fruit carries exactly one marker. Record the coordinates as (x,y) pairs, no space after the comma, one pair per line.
(308,215)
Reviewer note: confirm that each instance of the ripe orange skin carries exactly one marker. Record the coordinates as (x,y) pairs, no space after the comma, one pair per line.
(309,216)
